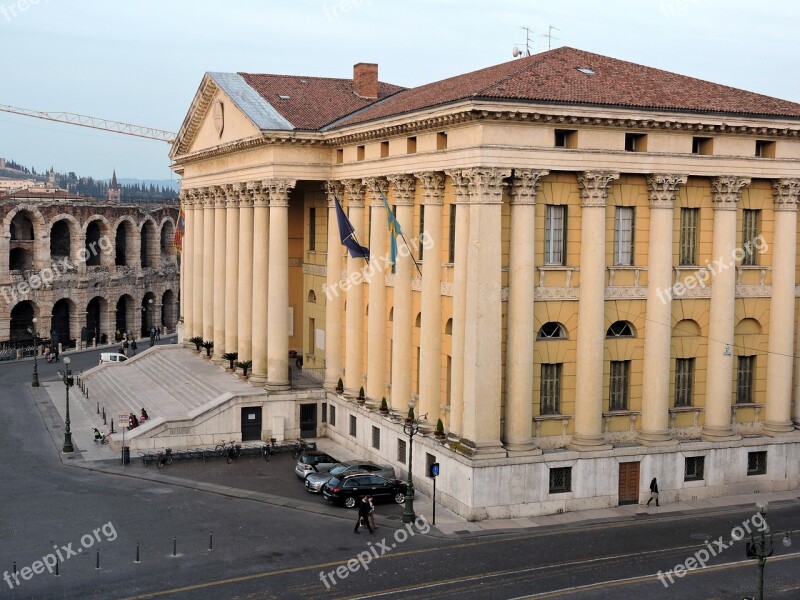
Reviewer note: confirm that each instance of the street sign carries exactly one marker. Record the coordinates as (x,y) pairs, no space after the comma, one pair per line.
(434,472)
(122,419)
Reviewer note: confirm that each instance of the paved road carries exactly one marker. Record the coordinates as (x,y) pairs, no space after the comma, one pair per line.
(266,551)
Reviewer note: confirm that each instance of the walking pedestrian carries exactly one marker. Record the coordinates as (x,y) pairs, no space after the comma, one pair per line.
(133,347)
(125,346)
(371,501)
(158,333)
(653,492)
(363,515)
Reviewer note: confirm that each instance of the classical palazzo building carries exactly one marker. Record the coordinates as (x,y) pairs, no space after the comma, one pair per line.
(606,292)
(87,270)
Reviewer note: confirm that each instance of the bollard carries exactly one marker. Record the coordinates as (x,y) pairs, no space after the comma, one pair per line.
(87,393)
(211,541)
(112,425)
(57,570)
(98,408)
(137,553)
(15,567)
(174,546)
(97,564)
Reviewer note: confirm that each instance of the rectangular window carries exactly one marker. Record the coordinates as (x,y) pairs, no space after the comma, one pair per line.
(550,390)
(324,412)
(420,247)
(353,425)
(376,438)
(745,371)
(360,152)
(623,235)
(339,156)
(430,459)
(635,142)
(560,480)
(688,241)
(441,140)
(565,138)
(451,237)
(618,385)
(684,377)
(702,145)
(765,149)
(333,416)
(401,451)
(384,149)
(750,226)
(756,463)
(555,234)
(312,326)
(694,468)
(411,145)
(312,229)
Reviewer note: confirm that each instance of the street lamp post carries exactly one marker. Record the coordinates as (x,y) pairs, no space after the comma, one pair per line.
(68,381)
(760,546)
(35,332)
(411,428)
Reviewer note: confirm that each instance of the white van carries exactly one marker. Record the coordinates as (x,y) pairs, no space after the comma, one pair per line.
(112,357)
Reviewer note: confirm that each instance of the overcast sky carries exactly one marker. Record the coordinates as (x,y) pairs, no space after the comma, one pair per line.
(142,61)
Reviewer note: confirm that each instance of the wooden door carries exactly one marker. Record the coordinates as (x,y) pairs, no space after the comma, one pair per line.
(628,483)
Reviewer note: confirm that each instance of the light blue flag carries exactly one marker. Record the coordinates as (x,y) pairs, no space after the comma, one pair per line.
(394,230)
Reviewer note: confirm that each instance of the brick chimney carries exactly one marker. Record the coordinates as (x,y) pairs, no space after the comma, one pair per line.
(365,80)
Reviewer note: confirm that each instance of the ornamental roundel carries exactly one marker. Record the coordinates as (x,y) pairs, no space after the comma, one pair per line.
(219,117)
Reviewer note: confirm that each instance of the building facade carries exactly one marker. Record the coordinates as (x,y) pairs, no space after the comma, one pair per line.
(596,283)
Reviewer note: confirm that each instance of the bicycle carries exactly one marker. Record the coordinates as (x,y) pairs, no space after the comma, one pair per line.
(221,448)
(164,458)
(234,452)
(266,453)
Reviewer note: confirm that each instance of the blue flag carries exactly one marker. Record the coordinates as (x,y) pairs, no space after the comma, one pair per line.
(348,234)
(394,230)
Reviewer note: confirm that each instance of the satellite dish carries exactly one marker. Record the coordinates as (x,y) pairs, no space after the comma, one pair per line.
(516,52)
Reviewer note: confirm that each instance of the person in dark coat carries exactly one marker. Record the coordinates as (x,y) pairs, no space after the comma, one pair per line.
(653,492)
(133,347)
(363,515)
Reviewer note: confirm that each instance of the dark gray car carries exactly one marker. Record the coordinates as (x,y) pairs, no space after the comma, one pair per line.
(315,481)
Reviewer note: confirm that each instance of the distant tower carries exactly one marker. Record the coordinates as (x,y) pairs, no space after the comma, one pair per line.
(114,193)
(51,179)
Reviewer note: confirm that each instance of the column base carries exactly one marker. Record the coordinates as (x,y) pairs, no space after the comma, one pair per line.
(258,379)
(588,443)
(218,360)
(656,438)
(278,386)
(777,429)
(522,448)
(483,449)
(796,422)
(712,433)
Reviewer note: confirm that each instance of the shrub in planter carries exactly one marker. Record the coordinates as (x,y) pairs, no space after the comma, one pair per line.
(439,432)
(361,398)
(197,341)
(384,409)
(410,415)
(340,385)
(244,365)
(231,357)
(208,346)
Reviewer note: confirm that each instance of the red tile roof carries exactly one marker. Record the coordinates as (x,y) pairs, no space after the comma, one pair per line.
(313,102)
(554,76)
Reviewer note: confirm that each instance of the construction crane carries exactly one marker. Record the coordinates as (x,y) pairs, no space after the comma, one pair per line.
(94,123)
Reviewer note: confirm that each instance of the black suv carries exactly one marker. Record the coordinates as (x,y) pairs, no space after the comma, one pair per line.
(350,488)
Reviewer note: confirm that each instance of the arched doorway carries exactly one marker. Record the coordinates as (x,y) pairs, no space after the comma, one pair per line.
(63,311)
(93,249)
(22,322)
(124,317)
(124,244)
(60,240)
(20,259)
(96,315)
(149,245)
(167,243)
(148,313)
(169,310)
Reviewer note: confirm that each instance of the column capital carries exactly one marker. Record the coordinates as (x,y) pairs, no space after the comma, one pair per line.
(219,195)
(258,195)
(206,196)
(663,187)
(525,185)
(355,192)
(233,191)
(726,191)
(486,184)
(404,188)
(333,189)
(278,190)
(191,199)
(432,187)
(785,194)
(460,184)
(377,187)
(594,187)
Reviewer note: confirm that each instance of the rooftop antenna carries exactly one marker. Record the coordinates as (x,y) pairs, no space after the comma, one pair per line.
(516,52)
(550,37)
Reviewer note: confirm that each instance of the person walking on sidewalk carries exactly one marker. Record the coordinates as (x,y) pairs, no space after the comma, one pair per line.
(133,347)
(653,492)
(363,515)
(371,515)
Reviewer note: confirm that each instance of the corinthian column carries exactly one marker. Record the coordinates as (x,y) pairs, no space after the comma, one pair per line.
(519,324)
(459,301)
(232,194)
(278,303)
(260,281)
(187,266)
(198,226)
(333,291)
(781,309)
(483,315)
(404,188)
(726,192)
(354,311)
(208,264)
(658,337)
(376,321)
(220,225)
(245,296)
(430,345)
(591,333)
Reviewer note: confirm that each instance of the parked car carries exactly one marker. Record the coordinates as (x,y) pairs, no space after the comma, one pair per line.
(314,461)
(315,481)
(349,489)
(112,357)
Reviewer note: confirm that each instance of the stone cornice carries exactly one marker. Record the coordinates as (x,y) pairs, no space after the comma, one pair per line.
(377,187)
(354,188)
(432,187)
(785,193)
(525,185)
(460,184)
(278,191)
(663,188)
(726,191)
(486,184)
(333,189)
(594,187)
(404,188)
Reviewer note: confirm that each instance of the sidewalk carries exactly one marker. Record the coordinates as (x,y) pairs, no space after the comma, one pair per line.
(71,351)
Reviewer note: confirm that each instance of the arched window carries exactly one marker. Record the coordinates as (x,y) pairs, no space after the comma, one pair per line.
(312,297)
(552,331)
(418,322)
(448,327)
(620,329)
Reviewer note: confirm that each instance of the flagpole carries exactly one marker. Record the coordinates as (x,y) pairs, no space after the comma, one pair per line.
(411,253)
(353,233)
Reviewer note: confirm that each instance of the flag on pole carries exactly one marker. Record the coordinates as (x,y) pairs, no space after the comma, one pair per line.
(394,230)
(348,234)
(179,228)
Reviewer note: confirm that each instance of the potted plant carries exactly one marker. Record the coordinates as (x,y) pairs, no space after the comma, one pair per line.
(339,386)
(208,346)
(361,398)
(197,341)
(244,365)
(384,409)
(231,357)
(410,415)
(439,431)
